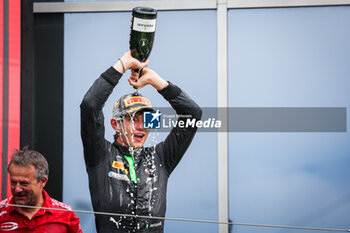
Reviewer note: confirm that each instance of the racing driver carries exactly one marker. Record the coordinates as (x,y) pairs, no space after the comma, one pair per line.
(125,177)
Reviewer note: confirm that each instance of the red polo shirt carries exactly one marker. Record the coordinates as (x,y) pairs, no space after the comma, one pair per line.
(55,221)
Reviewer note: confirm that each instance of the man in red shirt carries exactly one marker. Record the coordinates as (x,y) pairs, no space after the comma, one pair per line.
(28,170)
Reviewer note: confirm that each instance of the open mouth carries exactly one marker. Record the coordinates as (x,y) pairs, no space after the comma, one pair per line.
(20,197)
(138,136)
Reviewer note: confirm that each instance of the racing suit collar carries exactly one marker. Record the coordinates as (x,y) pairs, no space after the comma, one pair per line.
(125,150)
(47,204)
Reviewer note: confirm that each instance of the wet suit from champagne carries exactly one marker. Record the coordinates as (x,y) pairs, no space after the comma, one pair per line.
(126,180)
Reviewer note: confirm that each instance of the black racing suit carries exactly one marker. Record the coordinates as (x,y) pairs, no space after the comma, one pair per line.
(111,187)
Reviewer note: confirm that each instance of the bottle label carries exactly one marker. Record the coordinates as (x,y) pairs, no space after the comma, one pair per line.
(144,25)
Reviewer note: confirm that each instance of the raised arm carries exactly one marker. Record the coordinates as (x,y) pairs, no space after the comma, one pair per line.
(180,138)
(91,115)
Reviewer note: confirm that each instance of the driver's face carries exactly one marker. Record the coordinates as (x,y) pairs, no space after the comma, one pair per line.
(131,131)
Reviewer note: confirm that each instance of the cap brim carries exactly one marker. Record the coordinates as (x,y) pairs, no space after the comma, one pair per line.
(142,108)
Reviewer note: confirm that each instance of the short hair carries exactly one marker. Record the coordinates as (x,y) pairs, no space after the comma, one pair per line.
(26,157)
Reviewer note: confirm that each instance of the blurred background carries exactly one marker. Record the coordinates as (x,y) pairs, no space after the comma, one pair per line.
(223,53)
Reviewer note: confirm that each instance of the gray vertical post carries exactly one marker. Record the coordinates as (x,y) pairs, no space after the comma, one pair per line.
(222,104)
(5,97)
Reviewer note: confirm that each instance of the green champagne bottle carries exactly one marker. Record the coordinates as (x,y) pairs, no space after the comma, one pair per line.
(143,27)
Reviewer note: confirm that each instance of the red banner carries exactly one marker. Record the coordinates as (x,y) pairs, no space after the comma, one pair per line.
(14,77)
(10,84)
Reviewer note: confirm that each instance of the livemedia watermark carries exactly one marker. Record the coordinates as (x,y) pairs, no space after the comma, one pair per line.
(250,119)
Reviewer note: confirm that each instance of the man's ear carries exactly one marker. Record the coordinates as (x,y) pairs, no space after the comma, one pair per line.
(44,181)
(114,124)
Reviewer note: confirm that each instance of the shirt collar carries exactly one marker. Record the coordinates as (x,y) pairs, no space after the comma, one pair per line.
(11,202)
(47,204)
(122,149)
